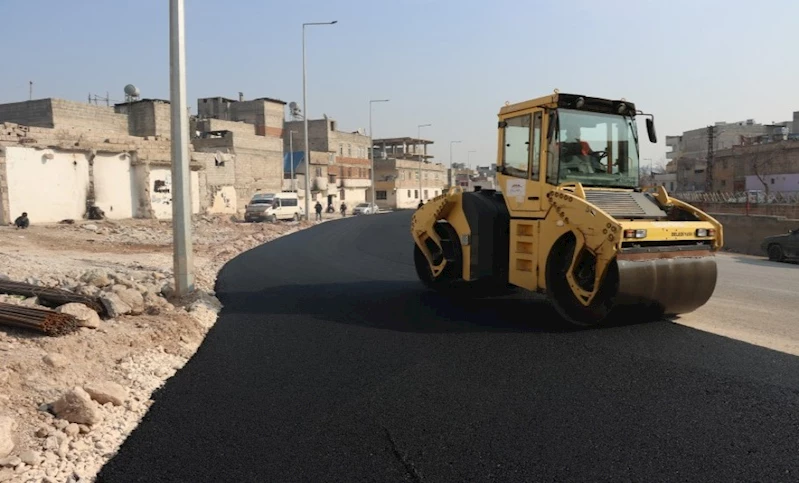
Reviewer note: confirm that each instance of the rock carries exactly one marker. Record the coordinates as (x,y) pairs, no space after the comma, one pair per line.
(4,375)
(76,406)
(55,360)
(61,424)
(90,227)
(96,277)
(72,430)
(42,432)
(84,429)
(86,316)
(10,461)
(30,457)
(4,277)
(107,392)
(7,428)
(134,299)
(168,290)
(6,474)
(115,306)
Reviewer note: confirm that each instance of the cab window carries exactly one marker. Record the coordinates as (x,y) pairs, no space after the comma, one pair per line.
(516,149)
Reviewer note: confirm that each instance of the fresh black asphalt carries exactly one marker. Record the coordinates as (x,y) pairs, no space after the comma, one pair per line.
(330,362)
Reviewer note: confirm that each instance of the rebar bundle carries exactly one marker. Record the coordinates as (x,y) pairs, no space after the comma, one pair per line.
(42,320)
(50,296)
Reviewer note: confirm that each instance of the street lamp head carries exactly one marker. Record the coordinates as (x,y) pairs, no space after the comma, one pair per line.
(333,22)
(379,100)
(424,125)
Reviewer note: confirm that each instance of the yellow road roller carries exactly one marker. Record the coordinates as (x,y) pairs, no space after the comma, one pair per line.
(569,219)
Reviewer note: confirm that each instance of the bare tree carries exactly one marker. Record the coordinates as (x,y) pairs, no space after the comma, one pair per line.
(765,160)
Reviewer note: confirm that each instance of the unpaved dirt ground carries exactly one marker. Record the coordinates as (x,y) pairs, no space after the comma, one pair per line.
(111,367)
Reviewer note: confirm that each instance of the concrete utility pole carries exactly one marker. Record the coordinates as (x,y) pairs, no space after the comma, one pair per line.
(181,180)
(291,158)
(451,172)
(371,148)
(305,121)
(419,140)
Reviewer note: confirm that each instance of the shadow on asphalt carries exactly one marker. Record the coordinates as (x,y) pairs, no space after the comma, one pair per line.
(408,307)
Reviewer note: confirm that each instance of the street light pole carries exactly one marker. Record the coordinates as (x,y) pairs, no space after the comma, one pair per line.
(371,148)
(181,180)
(305,121)
(419,140)
(451,171)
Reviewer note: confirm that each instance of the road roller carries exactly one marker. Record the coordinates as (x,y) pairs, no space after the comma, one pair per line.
(570,219)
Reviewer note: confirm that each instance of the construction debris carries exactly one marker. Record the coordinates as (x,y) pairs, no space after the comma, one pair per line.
(51,296)
(42,320)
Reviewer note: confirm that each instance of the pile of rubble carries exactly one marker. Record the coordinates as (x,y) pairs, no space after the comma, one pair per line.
(68,402)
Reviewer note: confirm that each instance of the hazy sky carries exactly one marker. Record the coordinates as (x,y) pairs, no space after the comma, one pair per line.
(449,63)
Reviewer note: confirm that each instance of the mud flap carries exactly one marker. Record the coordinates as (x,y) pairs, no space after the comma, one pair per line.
(675,283)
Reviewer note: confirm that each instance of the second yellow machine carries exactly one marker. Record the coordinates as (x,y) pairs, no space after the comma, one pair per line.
(570,219)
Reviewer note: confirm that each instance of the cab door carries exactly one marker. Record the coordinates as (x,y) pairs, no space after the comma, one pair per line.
(520,172)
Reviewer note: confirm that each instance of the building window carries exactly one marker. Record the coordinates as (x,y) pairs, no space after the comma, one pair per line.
(318,171)
(380,195)
(409,193)
(349,150)
(415,194)
(349,172)
(425,194)
(341,149)
(343,192)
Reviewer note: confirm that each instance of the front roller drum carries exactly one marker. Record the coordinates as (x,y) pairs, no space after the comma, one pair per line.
(672,283)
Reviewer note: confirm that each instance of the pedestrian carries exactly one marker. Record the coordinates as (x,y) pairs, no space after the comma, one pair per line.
(343,209)
(421,204)
(22,221)
(318,208)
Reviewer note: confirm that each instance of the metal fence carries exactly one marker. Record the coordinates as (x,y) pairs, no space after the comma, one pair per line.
(743,197)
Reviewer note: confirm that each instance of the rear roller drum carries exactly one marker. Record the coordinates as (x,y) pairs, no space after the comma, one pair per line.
(560,293)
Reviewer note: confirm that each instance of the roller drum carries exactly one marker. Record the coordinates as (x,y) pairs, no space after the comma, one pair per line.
(675,283)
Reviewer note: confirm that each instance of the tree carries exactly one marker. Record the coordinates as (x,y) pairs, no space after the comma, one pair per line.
(765,160)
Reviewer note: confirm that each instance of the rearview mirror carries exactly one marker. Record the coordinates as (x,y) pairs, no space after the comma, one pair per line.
(650,130)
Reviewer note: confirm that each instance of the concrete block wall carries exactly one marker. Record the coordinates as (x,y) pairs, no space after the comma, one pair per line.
(317,135)
(147,118)
(257,171)
(744,234)
(37,113)
(206,125)
(88,117)
(220,168)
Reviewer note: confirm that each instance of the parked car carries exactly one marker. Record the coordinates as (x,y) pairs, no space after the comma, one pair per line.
(365,209)
(273,207)
(782,247)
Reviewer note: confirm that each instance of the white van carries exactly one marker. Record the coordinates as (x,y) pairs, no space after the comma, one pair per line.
(283,206)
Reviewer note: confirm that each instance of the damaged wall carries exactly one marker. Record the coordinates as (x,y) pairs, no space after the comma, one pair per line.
(49,185)
(160,190)
(114,182)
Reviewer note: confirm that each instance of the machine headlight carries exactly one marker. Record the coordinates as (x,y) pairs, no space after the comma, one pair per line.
(705,232)
(634,233)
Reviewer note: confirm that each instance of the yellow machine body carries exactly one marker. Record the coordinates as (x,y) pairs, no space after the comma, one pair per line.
(565,224)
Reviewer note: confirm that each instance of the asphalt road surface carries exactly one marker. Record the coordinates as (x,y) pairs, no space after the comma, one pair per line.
(330,362)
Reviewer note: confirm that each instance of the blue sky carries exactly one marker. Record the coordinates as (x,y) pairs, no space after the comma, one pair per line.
(449,63)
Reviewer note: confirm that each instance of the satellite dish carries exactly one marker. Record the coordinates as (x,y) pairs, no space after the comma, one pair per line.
(132,90)
(292,105)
